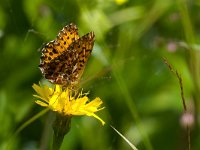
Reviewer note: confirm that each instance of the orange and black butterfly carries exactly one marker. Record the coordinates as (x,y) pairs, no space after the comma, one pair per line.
(63,60)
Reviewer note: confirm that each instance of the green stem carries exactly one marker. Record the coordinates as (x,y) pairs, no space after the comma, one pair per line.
(61,127)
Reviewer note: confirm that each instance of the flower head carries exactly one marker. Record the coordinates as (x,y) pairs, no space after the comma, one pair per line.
(65,102)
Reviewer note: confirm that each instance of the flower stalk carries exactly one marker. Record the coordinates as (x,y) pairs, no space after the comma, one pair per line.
(61,126)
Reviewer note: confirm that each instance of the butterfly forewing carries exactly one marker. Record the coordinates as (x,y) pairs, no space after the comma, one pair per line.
(54,48)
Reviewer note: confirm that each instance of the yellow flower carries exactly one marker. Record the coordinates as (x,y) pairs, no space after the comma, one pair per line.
(67,103)
(120,2)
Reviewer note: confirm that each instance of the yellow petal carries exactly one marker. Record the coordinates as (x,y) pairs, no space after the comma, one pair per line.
(41,103)
(97,117)
(44,92)
(39,97)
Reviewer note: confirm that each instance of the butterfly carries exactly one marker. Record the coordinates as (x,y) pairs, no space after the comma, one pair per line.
(63,60)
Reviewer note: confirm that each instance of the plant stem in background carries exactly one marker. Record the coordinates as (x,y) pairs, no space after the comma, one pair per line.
(182,97)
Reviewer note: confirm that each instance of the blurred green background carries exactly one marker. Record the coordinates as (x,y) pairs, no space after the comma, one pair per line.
(126,70)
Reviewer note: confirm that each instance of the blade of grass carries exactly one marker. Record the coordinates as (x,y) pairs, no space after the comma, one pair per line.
(127,141)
